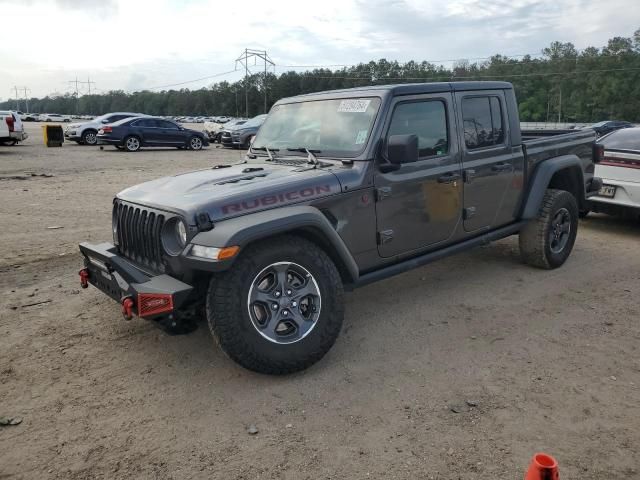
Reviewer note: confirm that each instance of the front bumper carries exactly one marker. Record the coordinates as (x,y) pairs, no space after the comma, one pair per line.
(140,293)
(72,134)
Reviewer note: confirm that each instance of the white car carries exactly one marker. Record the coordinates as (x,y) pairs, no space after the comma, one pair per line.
(54,117)
(16,129)
(620,173)
(85,133)
(6,125)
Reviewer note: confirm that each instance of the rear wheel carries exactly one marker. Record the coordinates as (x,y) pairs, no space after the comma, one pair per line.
(132,144)
(547,240)
(279,309)
(89,137)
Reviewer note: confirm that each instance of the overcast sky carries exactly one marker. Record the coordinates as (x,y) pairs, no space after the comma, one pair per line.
(138,44)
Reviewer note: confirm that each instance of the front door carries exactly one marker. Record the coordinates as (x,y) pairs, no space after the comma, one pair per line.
(489,162)
(419,204)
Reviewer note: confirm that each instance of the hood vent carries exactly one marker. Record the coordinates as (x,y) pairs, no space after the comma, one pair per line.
(240,179)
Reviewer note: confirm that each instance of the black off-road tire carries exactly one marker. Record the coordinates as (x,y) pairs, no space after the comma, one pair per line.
(535,243)
(228,314)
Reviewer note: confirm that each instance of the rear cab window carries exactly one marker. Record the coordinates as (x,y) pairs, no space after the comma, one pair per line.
(483,122)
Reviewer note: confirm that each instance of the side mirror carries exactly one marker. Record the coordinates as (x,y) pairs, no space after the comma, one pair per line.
(105,121)
(402,149)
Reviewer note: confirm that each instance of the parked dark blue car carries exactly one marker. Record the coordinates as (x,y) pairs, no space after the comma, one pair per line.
(133,133)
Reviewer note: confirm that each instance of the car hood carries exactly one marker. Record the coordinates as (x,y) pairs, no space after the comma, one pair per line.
(230,191)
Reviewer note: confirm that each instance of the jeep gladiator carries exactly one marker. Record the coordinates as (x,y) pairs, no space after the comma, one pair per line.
(338,190)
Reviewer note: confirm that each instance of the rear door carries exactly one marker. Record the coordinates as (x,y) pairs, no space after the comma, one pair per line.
(488,160)
(419,204)
(146,128)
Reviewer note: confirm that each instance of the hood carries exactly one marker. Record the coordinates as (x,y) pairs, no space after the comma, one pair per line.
(230,191)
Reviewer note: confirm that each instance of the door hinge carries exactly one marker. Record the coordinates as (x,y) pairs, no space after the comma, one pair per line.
(382,193)
(468,213)
(385,236)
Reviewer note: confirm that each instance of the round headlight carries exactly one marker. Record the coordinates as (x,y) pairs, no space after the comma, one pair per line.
(181,231)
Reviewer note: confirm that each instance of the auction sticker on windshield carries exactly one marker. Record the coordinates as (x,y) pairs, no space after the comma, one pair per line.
(354,106)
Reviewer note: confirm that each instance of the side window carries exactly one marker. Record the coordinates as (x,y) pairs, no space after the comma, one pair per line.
(482,117)
(165,124)
(144,123)
(427,120)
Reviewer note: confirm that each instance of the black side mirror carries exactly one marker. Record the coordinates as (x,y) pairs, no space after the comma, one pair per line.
(402,149)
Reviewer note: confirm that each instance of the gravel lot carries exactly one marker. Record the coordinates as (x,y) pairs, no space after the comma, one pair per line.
(458,370)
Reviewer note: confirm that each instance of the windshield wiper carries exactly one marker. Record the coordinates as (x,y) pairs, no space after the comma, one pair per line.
(311,158)
(268,150)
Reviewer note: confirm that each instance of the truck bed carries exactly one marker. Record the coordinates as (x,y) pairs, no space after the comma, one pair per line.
(556,143)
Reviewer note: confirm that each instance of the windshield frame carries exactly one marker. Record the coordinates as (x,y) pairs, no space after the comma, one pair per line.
(328,154)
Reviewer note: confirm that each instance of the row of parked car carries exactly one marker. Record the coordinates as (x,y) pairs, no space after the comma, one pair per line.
(42,117)
(236,132)
(131,131)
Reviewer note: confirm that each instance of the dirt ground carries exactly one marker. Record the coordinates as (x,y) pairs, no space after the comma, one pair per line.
(458,370)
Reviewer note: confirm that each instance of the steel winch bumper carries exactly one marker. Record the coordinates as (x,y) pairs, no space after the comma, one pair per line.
(140,293)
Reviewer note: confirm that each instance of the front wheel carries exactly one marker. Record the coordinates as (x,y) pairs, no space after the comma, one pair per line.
(547,240)
(89,137)
(280,308)
(195,143)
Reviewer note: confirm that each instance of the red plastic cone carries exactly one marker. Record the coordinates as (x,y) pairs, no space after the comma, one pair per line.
(542,467)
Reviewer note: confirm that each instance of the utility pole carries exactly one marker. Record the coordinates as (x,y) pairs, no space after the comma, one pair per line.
(77,82)
(26,98)
(244,61)
(77,94)
(16,88)
(560,105)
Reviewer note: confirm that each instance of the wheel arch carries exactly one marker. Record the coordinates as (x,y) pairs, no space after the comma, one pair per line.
(304,221)
(561,173)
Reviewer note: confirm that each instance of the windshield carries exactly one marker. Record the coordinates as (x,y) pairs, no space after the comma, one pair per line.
(255,121)
(340,126)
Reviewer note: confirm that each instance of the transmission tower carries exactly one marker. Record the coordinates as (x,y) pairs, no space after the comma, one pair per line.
(244,61)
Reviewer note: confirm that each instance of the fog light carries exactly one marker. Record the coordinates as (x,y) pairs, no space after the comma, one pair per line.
(214,253)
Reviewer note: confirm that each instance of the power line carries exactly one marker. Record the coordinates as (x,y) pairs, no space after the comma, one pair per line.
(446,77)
(192,81)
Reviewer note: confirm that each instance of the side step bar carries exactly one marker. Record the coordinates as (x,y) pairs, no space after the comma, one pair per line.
(415,262)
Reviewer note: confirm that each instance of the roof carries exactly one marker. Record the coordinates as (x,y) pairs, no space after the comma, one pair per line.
(418,88)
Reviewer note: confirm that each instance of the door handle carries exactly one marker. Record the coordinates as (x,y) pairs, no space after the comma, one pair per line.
(501,167)
(449,178)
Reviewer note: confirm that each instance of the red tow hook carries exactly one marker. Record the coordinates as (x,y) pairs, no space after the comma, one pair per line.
(127,308)
(84,278)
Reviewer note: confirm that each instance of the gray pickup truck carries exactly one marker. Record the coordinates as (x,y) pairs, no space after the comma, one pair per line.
(339,189)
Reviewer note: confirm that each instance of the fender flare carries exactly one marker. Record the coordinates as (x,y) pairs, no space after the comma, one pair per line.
(542,178)
(241,231)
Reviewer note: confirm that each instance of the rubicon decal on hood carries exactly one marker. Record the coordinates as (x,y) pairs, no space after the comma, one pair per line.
(276,199)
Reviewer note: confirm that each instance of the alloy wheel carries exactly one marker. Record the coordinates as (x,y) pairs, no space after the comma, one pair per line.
(284,302)
(560,230)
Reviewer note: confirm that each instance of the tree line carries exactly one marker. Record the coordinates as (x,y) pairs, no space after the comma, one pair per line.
(561,84)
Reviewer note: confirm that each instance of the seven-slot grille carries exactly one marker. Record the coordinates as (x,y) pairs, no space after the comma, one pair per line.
(139,234)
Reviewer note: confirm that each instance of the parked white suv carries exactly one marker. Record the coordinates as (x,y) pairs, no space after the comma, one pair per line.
(85,133)
(16,129)
(620,173)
